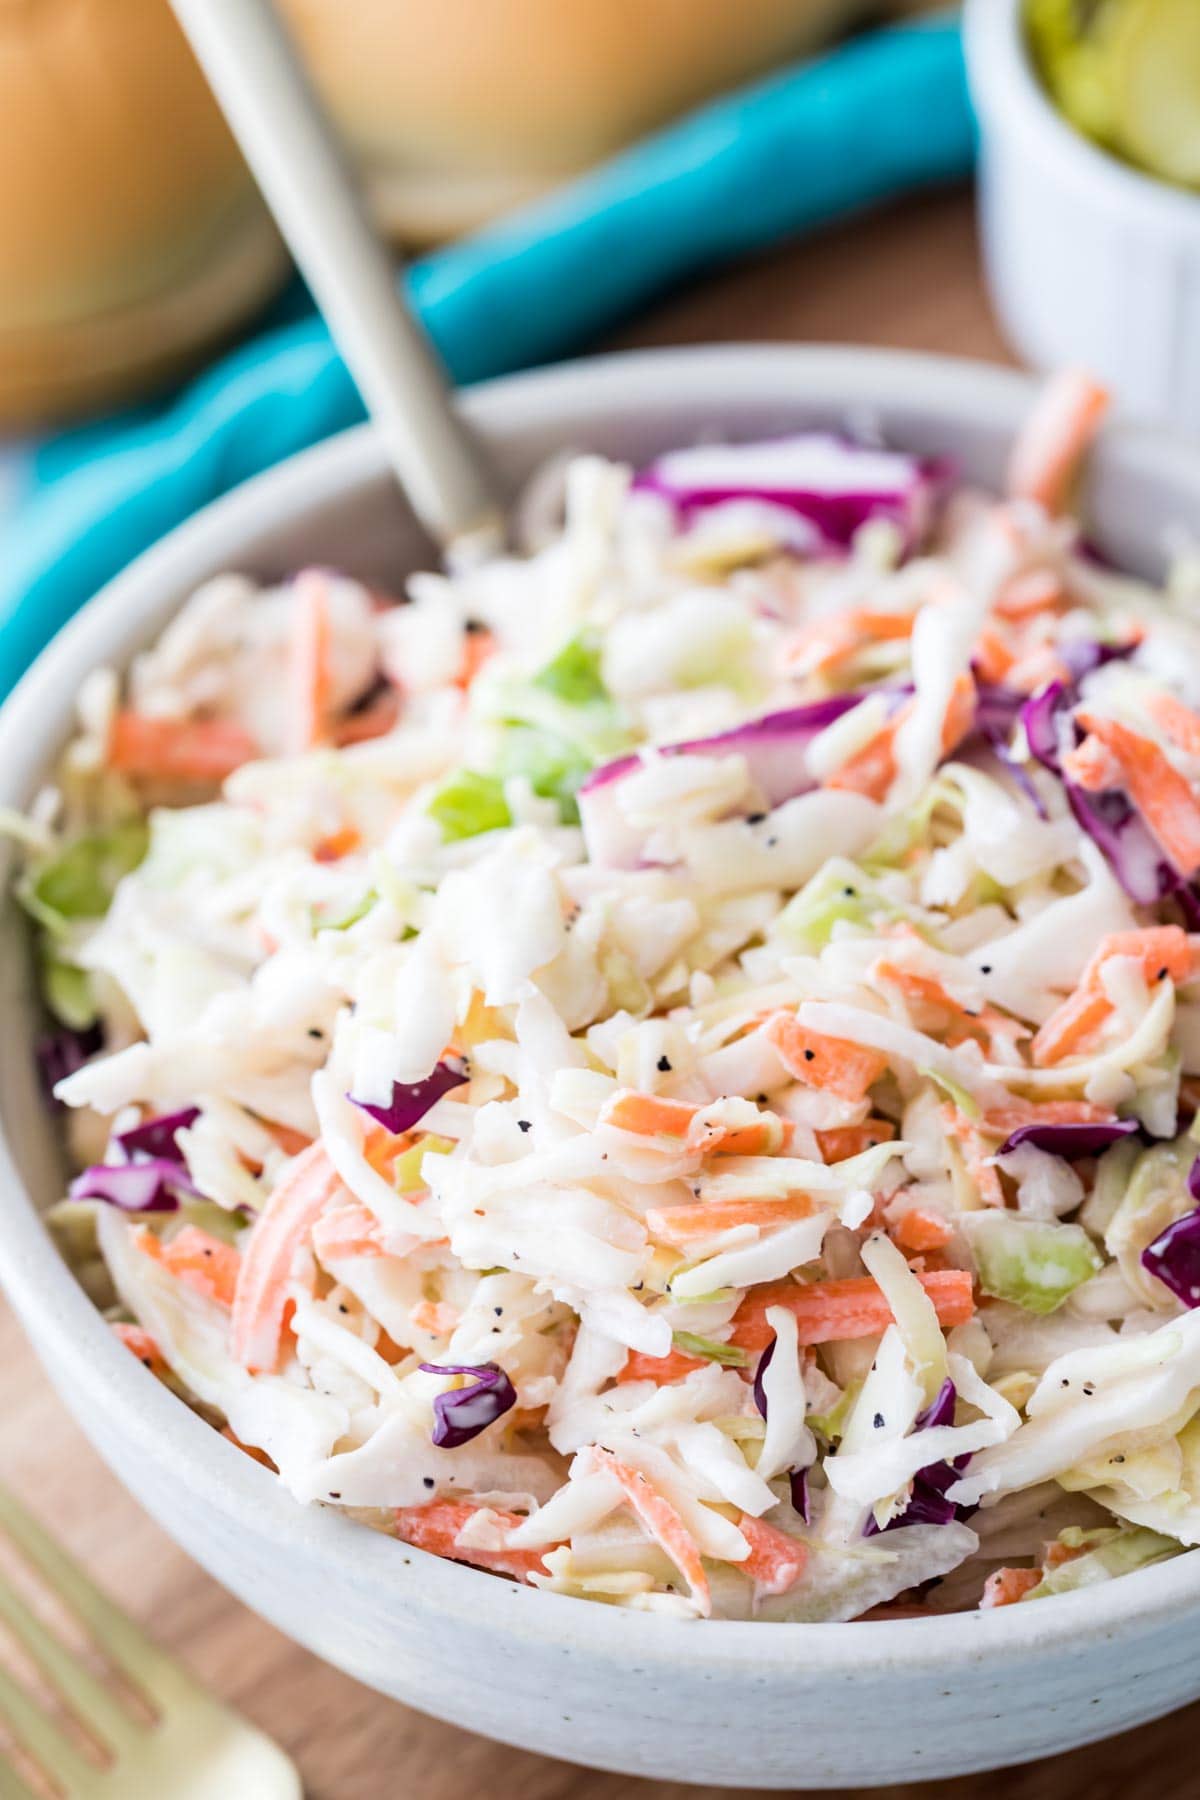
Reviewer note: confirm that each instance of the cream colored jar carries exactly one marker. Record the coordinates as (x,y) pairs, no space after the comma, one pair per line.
(132,238)
(130,232)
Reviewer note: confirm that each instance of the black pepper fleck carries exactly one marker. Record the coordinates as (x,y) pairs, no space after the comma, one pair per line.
(810,1056)
(1089,1387)
(878,1421)
(427,1481)
(664,1065)
(314,1031)
(755,818)
(525,1124)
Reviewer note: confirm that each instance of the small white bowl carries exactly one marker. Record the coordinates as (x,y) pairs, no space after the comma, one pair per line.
(739,1705)
(1090,262)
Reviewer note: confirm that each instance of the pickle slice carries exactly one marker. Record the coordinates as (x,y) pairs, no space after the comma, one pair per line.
(1126,73)
(1155,51)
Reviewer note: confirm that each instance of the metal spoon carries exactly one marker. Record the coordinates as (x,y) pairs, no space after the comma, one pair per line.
(275,116)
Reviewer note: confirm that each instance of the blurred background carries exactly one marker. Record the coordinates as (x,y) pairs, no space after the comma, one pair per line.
(557,177)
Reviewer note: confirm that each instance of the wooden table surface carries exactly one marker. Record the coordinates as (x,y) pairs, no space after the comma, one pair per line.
(909,278)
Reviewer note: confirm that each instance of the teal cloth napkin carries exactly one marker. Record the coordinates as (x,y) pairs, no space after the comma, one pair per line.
(881,114)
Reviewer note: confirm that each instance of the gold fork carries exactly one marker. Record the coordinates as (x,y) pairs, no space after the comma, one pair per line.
(100,1713)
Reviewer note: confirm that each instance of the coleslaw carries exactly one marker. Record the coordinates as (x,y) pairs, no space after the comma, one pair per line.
(665,1066)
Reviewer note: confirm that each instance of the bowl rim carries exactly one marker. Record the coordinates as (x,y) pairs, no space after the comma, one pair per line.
(1012,101)
(90,1365)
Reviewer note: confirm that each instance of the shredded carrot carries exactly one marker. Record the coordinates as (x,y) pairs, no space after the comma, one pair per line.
(679,1121)
(978,1155)
(830,1311)
(382,1148)
(992,657)
(872,770)
(434,1316)
(776,1561)
(1160,792)
(309,671)
(1092,766)
(374,720)
(1055,436)
(960,713)
(201,1261)
(203,751)
(290,1141)
(663,1523)
(1004,1120)
(1164,953)
(436,1526)
(835,1065)
(308,1187)
(1180,723)
(143,1346)
(1027,595)
(838,1142)
(345,1232)
(648,1115)
(1054,1555)
(684,1225)
(662,1370)
(1005,1587)
(926,989)
(821,645)
(338,844)
(478,648)
(255,1455)
(922,1229)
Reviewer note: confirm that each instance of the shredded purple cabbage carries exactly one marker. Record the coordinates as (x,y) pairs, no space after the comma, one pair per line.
(940,1411)
(997,709)
(1082,655)
(1109,819)
(835,511)
(410,1101)
(770,746)
(797,1478)
(140,1187)
(1070,1140)
(798,1483)
(928,1504)
(773,747)
(764,1363)
(159,1137)
(463,1413)
(1174,1256)
(61,1052)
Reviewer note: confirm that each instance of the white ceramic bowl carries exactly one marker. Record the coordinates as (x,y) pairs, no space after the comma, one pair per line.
(1089,261)
(780,1706)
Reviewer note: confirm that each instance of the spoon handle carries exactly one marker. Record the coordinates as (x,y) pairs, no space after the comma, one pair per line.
(276,118)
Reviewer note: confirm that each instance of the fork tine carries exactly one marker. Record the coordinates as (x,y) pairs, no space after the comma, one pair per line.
(96,1706)
(47,1745)
(115,1634)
